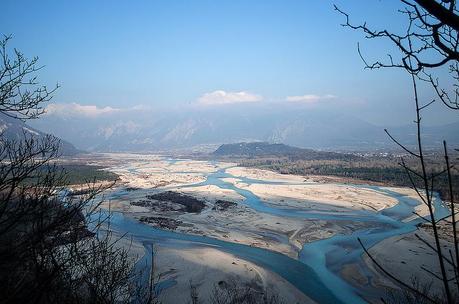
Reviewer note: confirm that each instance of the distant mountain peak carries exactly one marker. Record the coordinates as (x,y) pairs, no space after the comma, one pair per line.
(156,130)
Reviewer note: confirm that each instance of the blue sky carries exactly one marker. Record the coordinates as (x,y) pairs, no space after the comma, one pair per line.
(172,53)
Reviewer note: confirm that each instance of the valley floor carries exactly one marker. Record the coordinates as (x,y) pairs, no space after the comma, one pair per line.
(272,211)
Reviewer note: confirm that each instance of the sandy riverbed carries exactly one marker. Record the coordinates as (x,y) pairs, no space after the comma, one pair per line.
(210,269)
(241,224)
(318,195)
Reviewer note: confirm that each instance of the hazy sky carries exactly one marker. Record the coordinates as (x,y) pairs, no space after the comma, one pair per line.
(163,54)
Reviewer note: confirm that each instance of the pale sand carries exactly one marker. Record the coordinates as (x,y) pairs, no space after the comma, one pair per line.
(264,175)
(242,224)
(211,193)
(155,172)
(403,256)
(102,185)
(325,197)
(135,249)
(197,166)
(231,180)
(238,224)
(205,267)
(421,208)
(144,178)
(122,206)
(335,194)
(160,174)
(134,156)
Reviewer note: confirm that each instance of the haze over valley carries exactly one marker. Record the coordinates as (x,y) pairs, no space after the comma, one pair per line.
(145,129)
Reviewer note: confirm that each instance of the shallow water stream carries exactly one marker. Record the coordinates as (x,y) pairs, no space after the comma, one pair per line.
(316,272)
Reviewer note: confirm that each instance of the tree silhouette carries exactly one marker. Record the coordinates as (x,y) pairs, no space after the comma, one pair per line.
(429,43)
(54,248)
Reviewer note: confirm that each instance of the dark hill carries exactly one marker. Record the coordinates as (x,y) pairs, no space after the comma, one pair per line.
(15,129)
(264,149)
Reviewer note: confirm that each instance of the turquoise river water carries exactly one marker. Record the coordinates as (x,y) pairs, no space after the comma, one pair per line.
(316,271)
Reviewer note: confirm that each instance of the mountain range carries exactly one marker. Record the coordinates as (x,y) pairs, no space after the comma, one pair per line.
(148,130)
